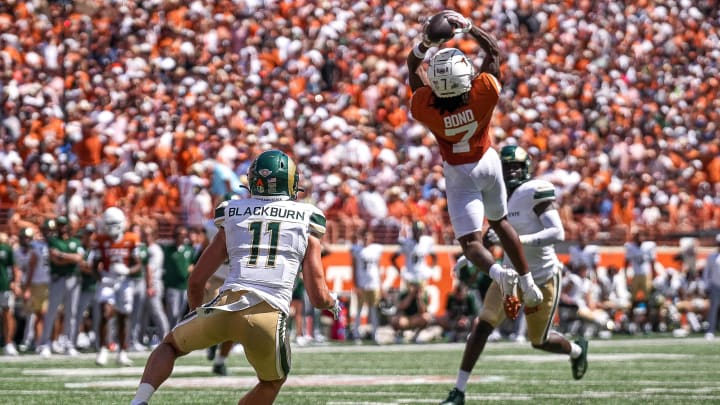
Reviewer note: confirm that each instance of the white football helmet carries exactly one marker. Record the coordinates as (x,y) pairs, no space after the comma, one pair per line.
(114,222)
(450,73)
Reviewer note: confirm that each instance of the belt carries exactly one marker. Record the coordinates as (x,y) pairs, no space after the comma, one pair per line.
(240,300)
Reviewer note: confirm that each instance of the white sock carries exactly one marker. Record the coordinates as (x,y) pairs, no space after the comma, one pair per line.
(462,379)
(496,271)
(143,394)
(219,359)
(575,350)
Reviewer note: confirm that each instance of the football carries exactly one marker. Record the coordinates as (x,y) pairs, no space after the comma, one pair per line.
(438,28)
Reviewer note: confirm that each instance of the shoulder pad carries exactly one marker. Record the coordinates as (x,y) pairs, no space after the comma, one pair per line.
(317,222)
(219,218)
(543,191)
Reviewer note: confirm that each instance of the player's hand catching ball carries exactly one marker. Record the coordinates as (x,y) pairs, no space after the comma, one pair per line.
(461,24)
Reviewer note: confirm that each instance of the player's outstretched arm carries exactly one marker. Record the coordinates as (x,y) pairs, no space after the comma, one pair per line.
(314,277)
(491,62)
(210,260)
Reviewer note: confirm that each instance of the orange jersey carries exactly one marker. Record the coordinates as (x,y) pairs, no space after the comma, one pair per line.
(463,135)
(122,251)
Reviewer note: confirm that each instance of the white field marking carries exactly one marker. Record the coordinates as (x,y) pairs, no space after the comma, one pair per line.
(543,358)
(55,392)
(292,381)
(122,371)
(433,347)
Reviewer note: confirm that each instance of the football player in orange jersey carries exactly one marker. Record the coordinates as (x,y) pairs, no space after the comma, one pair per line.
(114,257)
(456,104)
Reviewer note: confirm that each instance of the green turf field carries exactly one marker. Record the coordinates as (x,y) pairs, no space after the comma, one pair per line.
(630,371)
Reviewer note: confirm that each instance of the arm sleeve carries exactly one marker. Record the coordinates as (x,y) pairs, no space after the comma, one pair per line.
(552,231)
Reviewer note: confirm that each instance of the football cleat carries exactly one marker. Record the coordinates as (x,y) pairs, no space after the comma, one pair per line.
(10,350)
(579,365)
(123,359)
(102,357)
(455,397)
(220,369)
(45,351)
(508,282)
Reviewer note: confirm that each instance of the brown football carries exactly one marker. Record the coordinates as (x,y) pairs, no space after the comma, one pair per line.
(438,28)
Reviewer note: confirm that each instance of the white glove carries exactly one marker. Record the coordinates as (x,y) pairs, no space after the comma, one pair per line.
(462,25)
(336,308)
(532,296)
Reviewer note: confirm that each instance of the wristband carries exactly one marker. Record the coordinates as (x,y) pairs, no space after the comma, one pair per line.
(417,52)
(526,280)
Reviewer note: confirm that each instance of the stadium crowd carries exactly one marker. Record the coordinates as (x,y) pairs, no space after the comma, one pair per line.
(158,107)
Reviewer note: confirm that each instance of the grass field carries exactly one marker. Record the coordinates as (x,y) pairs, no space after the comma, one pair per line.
(621,371)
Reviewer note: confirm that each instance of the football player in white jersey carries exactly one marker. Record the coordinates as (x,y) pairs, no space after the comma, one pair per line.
(33,258)
(267,239)
(366,256)
(212,288)
(533,214)
(640,257)
(416,247)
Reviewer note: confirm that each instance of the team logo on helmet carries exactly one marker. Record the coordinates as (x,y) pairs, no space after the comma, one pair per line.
(265,172)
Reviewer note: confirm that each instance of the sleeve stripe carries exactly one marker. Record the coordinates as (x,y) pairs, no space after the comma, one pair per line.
(317,225)
(544,194)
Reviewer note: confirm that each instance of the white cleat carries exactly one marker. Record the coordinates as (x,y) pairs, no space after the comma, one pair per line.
(123,359)
(10,350)
(508,282)
(102,357)
(45,352)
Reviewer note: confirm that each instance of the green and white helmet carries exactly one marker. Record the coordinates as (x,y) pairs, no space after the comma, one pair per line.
(516,166)
(273,174)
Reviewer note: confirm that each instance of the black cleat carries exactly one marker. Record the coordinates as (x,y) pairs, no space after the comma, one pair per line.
(211,352)
(220,369)
(455,397)
(579,365)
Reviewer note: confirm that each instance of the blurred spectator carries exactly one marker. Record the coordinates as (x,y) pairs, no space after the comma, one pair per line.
(416,247)
(640,258)
(711,276)
(366,276)
(460,312)
(66,254)
(411,313)
(177,265)
(9,290)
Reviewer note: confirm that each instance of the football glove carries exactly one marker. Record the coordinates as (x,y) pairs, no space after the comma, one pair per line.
(462,25)
(336,308)
(532,296)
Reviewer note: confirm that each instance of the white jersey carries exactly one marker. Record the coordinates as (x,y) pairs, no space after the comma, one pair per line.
(266,242)
(41,275)
(367,260)
(415,252)
(640,257)
(542,260)
(588,255)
